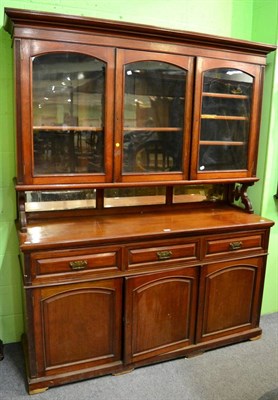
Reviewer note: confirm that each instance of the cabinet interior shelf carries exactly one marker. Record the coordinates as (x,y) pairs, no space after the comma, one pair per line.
(226,95)
(221,143)
(152,129)
(224,117)
(67,128)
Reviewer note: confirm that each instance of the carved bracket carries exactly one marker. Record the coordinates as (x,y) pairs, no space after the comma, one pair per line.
(21,211)
(240,192)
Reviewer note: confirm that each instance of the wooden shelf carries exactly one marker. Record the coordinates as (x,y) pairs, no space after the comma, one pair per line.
(67,128)
(226,95)
(221,143)
(152,129)
(224,117)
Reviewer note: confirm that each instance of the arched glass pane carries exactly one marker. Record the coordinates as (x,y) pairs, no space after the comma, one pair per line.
(68,110)
(225,119)
(153,117)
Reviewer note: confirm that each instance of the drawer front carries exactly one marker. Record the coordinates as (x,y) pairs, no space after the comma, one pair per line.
(168,253)
(233,244)
(76,261)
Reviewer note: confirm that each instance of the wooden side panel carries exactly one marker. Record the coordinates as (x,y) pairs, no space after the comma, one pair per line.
(78,325)
(230,297)
(160,311)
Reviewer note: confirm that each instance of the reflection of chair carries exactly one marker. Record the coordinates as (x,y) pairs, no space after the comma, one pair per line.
(154,155)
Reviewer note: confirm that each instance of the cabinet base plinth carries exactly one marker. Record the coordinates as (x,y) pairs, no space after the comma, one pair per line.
(256,337)
(124,371)
(37,391)
(40,385)
(195,354)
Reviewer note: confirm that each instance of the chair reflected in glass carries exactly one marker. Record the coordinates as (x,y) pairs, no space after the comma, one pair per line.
(153,152)
(154,155)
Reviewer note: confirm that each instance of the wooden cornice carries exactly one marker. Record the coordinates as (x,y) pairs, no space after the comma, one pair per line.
(26,18)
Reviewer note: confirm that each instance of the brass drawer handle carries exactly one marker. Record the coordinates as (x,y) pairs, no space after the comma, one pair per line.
(80,264)
(164,255)
(235,245)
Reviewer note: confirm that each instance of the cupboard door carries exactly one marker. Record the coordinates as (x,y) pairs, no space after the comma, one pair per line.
(230,298)
(226,119)
(78,326)
(160,313)
(153,116)
(67,114)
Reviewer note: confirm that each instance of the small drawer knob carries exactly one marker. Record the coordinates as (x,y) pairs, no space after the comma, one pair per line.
(79,264)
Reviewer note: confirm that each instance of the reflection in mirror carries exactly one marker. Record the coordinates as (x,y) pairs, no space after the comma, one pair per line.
(197,193)
(60,200)
(225,119)
(154,103)
(68,91)
(127,197)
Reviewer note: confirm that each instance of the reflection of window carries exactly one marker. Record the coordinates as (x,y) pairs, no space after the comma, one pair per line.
(67,89)
(225,125)
(68,134)
(153,117)
(154,94)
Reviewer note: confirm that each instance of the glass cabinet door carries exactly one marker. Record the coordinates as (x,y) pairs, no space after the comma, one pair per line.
(153,116)
(224,139)
(70,115)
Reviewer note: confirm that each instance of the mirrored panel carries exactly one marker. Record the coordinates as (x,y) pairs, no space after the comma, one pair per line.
(60,200)
(154,102)
(140,196)
(198,193)
(225,119)
(68,110)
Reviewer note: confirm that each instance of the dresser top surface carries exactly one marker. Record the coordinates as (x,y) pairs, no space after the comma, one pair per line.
(91,230)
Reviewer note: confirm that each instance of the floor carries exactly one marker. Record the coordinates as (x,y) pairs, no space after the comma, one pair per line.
(245,371)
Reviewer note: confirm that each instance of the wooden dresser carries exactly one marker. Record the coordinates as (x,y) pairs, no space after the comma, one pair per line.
(136,146)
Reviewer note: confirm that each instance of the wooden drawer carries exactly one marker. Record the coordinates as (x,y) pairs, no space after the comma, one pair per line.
(76,261)
(234,244)
(171,252)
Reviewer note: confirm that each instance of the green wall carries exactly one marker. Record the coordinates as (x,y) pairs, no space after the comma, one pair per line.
(265,28)
(232,18)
